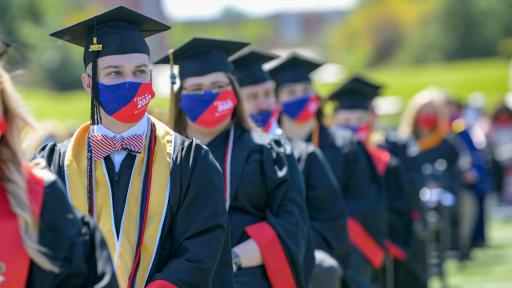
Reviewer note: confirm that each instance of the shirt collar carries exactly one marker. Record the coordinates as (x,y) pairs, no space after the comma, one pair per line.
(139,128)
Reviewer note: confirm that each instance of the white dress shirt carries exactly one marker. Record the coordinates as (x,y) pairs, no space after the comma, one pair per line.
(118,156)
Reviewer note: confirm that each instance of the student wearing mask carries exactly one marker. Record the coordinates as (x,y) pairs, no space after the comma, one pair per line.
(325,203)
(156,196)
(267,214)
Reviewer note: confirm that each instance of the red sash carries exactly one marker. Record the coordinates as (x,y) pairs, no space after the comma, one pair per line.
(363,241)
(380,158)
(14,259)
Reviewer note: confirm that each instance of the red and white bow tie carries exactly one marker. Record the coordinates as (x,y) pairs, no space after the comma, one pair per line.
(104,145)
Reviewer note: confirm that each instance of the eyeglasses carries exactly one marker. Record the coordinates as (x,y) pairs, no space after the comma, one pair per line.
(215,87)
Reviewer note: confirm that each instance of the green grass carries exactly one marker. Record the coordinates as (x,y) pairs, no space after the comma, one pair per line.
(487,75)
(490,267)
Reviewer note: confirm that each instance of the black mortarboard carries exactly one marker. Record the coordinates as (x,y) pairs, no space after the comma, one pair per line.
(119,31)
(201,56)
(247,66)
(115,32)
(356,93)
(294,69)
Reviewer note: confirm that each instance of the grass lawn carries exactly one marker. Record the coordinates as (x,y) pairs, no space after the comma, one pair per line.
(491,267)
(488,75)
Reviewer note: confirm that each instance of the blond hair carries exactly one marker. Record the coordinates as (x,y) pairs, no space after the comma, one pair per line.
(13,175)
(430,96)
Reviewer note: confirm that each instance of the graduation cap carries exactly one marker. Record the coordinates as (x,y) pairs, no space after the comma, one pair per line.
(248,68)
(117,31)
(356,93)
(201,56)
(294,69)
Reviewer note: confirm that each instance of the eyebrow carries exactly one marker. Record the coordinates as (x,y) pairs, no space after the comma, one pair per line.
(142,66)
(111,67)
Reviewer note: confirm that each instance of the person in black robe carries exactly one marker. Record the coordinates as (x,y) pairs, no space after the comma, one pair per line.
(267,214)
(325,203)
(434,159)
(45,242)
(346,157)
(72,241)
(354,112)
(160,192)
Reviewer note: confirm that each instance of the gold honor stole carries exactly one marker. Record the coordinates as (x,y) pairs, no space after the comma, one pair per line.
(122,247)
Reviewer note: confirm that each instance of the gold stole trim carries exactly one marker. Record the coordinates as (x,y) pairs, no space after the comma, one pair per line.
(431,141)
(122,247)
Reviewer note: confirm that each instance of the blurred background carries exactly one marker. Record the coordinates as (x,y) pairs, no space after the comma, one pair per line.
(460,45)
(463,46)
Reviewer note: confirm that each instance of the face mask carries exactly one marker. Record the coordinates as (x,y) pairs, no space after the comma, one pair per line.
(362,131)
(126,102)
(426,121)
(3,126)
(302,109)
(209,109)
(265,119)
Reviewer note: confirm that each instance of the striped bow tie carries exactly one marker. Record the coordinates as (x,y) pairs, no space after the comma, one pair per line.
(103,145)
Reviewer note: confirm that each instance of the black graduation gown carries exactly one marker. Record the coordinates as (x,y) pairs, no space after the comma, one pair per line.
(195,227)
(441,165)
(72,243)
(326,205)
(356,177)
(352,169)
(412,272)
(398,212)
(259,194)
(405,150)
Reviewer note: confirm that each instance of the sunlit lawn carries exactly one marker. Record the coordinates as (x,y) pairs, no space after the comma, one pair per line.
(488,75)
(491,267)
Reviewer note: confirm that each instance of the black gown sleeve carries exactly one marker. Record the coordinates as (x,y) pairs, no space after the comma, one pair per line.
(286,214)
(73,243)
(196,224)
(54,153)
(398,218)
(326,206)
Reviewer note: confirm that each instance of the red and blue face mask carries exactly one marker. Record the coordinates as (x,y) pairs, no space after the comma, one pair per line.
(126,102)
(362,131)
(302,109)
(265,119)
(209,109)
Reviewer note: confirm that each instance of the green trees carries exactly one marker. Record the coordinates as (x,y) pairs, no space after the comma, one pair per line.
(411,31)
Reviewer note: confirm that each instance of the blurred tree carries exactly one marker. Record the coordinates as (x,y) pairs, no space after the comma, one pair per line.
(27,24)
(376,31)
(405,31)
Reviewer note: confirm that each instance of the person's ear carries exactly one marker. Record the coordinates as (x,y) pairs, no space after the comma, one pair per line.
(87,83)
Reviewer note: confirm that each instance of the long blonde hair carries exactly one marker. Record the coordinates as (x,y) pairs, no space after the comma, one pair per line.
(429,96)
(12,171)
